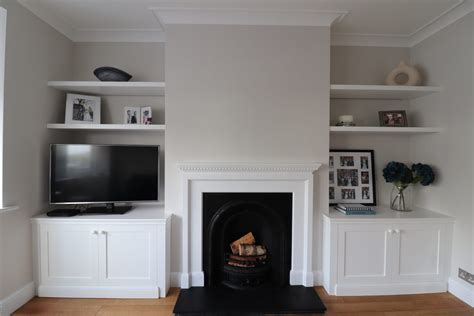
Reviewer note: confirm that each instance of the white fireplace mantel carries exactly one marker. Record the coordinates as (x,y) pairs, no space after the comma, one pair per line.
(199,178)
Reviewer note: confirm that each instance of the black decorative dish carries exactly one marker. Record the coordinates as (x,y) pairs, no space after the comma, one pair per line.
(111,74)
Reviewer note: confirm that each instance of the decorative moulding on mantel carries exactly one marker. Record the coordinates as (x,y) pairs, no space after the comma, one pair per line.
(245,16)
(238,167)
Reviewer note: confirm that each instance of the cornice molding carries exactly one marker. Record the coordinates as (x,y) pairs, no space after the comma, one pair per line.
(238,16)
(240,167)
(446,18)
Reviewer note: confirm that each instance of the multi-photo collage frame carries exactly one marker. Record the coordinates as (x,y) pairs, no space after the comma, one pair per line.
(351,177)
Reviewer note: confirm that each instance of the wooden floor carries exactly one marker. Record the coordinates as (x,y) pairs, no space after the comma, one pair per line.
(443,304)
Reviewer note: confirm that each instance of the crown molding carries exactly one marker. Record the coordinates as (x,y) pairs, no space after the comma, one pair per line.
(446,18)
(458,11)
(237,16)
(242,167)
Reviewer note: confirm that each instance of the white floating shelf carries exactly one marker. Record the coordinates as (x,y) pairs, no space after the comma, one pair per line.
(349,91)
(383,130)
(109,127)
(111,88)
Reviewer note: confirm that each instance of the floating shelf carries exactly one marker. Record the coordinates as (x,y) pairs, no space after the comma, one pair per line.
(350,91)
(383,130)
(108,127)
(111,88)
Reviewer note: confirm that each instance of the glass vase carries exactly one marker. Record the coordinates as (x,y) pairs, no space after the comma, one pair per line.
(401,198)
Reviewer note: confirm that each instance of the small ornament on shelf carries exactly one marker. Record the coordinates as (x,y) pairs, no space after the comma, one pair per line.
(345,120)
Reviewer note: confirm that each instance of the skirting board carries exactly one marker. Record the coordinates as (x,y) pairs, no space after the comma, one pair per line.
(16,300)
(464,292)
(175,278)
(98,292)
(390,289)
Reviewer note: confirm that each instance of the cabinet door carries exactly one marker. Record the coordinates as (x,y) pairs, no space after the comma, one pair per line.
(128,255)
(364,253)
(68,254)
(418,252)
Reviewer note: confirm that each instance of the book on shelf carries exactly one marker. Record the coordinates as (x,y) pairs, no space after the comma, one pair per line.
(355,212)
(354,207)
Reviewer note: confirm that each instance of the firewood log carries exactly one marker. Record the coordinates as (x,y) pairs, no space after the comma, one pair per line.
(251,250)
(246,239)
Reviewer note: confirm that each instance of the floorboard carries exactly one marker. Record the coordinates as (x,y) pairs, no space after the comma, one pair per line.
(441,304)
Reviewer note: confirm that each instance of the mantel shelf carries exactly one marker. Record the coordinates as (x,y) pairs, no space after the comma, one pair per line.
(350,91)
(102,88)
(383,130)
(108,127)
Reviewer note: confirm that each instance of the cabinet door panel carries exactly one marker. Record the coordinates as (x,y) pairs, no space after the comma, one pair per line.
(418,250)
(69,255)
(128,255)
(363,253)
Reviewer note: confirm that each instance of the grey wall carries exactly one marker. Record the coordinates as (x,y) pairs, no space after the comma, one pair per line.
(245,94)
(35,53)
(146,62)
(447,60)
(368,65)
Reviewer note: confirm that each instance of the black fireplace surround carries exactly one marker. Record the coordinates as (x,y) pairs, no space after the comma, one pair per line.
(229,216)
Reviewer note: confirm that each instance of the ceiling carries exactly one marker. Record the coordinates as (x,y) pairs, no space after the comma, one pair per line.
(139,20)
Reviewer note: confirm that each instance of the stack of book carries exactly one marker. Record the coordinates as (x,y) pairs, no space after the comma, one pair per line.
(355,209)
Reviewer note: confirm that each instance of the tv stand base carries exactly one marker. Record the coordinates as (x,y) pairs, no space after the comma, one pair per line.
(107,210)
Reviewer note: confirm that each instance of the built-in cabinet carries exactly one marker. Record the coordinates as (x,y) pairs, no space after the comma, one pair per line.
(122,256)
(387,253)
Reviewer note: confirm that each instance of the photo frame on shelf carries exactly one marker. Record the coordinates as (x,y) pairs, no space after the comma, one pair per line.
(393,118)
(352,177)
(82,109)
(146,115)
(131,115)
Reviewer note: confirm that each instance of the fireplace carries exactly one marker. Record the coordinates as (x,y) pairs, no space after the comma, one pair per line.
(267,217)
(223,202)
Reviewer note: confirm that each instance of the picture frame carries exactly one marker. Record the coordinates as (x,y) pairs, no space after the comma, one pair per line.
(146,115)
(82,109)
(352,177)
(131,115)
(393,118)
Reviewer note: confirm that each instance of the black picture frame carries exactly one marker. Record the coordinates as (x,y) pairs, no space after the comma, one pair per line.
(336,165)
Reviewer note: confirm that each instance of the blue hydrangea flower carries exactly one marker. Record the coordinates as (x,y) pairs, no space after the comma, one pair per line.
(397,172)
(423,173)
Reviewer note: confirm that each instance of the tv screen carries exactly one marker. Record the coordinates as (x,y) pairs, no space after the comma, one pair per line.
(103,173)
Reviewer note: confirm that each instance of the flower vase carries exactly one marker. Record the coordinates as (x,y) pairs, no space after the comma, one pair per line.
(401,198)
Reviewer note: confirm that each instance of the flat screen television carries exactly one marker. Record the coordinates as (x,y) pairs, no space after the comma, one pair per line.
(103,174)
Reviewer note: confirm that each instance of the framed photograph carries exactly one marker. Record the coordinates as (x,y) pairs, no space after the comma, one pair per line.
(131,115)
(82,109)
(393,118)
(145,115)
(352,177)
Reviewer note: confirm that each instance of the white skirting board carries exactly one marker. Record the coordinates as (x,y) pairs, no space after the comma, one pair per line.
(175,278)
(461,290)
(11,303)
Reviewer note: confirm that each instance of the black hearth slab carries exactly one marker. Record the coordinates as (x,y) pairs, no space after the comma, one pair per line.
(224,301)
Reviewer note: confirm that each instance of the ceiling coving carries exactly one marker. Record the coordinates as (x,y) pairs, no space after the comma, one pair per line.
(353,22)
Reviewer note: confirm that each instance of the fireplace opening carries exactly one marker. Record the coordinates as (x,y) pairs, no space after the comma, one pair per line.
(247,239)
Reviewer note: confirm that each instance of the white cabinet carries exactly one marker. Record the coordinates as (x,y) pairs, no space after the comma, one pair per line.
(388,253)
(121,256)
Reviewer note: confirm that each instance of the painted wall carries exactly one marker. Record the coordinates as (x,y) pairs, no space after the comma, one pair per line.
(146,62)
(35,53)
(245,94)
(368,65)
(446,59)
